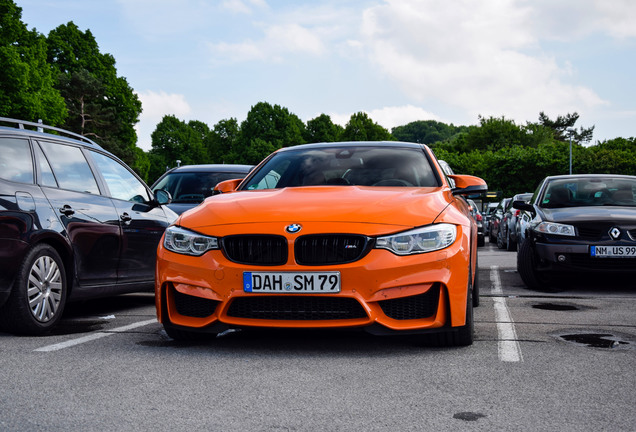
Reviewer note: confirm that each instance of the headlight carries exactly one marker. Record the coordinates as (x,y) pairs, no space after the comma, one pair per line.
(420,240)
(188,242)
(555,228)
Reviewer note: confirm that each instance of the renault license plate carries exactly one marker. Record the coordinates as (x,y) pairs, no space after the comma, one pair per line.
(291,282)
(613,251)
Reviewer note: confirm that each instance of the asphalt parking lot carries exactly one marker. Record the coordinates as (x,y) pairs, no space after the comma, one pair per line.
(541,361)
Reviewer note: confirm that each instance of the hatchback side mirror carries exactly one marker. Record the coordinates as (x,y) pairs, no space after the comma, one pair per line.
(522,205)
(162,197)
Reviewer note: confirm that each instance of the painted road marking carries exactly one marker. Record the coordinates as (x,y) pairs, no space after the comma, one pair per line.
(94,336)
(509,348)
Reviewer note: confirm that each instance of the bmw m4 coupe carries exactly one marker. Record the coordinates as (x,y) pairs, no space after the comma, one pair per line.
(333,235)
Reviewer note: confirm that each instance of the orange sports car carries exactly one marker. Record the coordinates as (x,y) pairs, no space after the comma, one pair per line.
(334,235)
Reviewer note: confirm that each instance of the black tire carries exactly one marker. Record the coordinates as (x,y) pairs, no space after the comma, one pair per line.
(500,242)
(38,294)
(510,244)
(527,267)
(456,336)
(476,287)
(481,241)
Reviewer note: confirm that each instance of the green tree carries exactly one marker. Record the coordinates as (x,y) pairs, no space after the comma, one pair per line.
(426,131)
(562,126)
(111,107)
(361,128)
(27,87)
(222,141)
(267,128)
(322,129)
(175,140)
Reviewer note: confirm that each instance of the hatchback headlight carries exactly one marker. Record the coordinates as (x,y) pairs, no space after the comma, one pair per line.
(555,229)
(188,242)
(420,240)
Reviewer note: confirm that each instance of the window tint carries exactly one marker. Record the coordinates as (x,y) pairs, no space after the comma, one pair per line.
(338,165)
(15,160)
(46,173)
(70,167)
(122,183)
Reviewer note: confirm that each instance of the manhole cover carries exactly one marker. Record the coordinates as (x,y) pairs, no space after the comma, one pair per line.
(595,340)
(555,307)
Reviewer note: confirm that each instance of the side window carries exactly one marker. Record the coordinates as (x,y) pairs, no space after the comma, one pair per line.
(70,167)
(46,173)
(15,160)
(122,183)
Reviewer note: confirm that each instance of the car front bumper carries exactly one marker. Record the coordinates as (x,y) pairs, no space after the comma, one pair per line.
(415,293)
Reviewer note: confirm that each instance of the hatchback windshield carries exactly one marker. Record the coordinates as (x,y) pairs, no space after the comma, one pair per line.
(361,166)
(590,191)
(193,187)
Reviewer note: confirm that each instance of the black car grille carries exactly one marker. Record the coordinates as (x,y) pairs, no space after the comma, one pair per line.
(412,307)
(326,249)
(302,308)
(590,232)
(256,249)
(192,306)
(586,262)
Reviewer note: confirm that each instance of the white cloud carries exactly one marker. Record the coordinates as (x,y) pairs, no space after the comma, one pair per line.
(481,58)
(278,41)
(156,105)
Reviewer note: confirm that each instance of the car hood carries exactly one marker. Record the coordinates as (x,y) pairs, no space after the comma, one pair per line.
(406,207)
(588,214)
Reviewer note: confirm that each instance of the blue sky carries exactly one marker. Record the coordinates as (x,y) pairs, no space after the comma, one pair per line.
(397,60)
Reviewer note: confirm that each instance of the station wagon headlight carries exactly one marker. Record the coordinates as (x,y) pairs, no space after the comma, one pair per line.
(188,242)
(555,229)
(420,240)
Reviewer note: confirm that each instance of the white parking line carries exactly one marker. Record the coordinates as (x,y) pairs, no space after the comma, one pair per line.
(94,336)
(509,348)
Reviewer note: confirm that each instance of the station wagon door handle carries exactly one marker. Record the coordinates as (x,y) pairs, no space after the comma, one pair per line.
(67,210)
(125,218)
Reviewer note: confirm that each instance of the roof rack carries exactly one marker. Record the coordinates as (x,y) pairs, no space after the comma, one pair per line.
(40,127)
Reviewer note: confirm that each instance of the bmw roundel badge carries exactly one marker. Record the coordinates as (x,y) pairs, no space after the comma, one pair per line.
(293,228)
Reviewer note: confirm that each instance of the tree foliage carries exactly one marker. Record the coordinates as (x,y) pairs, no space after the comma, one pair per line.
(361,128)
(426,131)
(27,87)
(100,104)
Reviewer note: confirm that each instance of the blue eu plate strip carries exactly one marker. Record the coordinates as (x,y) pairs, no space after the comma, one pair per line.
(247,281)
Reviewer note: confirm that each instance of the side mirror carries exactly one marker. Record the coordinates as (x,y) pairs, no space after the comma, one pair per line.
(226,186)
(163,197)
(467,185)
(522,205)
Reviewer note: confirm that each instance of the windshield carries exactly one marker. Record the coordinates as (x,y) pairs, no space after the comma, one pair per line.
(360,166)
(193,187)
(590,191)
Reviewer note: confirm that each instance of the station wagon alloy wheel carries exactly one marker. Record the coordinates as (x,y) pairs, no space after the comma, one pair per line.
(44,289)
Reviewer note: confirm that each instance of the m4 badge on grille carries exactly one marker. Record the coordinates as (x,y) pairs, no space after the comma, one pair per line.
(293,228)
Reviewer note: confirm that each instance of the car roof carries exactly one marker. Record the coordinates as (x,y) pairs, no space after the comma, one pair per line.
(213,168)
(578,176)
(396,144)
(32,129)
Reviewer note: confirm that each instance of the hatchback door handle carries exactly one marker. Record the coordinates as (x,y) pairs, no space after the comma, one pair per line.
(67,210)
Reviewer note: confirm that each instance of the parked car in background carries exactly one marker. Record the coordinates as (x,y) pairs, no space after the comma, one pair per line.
(495,220)
(479,219)
(508,227)
(75,223)
(578,225)
(333,235)
(487,213)
(189,185)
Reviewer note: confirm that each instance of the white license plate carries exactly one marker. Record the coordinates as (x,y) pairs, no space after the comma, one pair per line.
(613,251)
(291,282)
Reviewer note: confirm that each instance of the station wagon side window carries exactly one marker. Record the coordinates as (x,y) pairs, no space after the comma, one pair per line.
(47,178)
(70,167)
(15,160)
(122,183)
